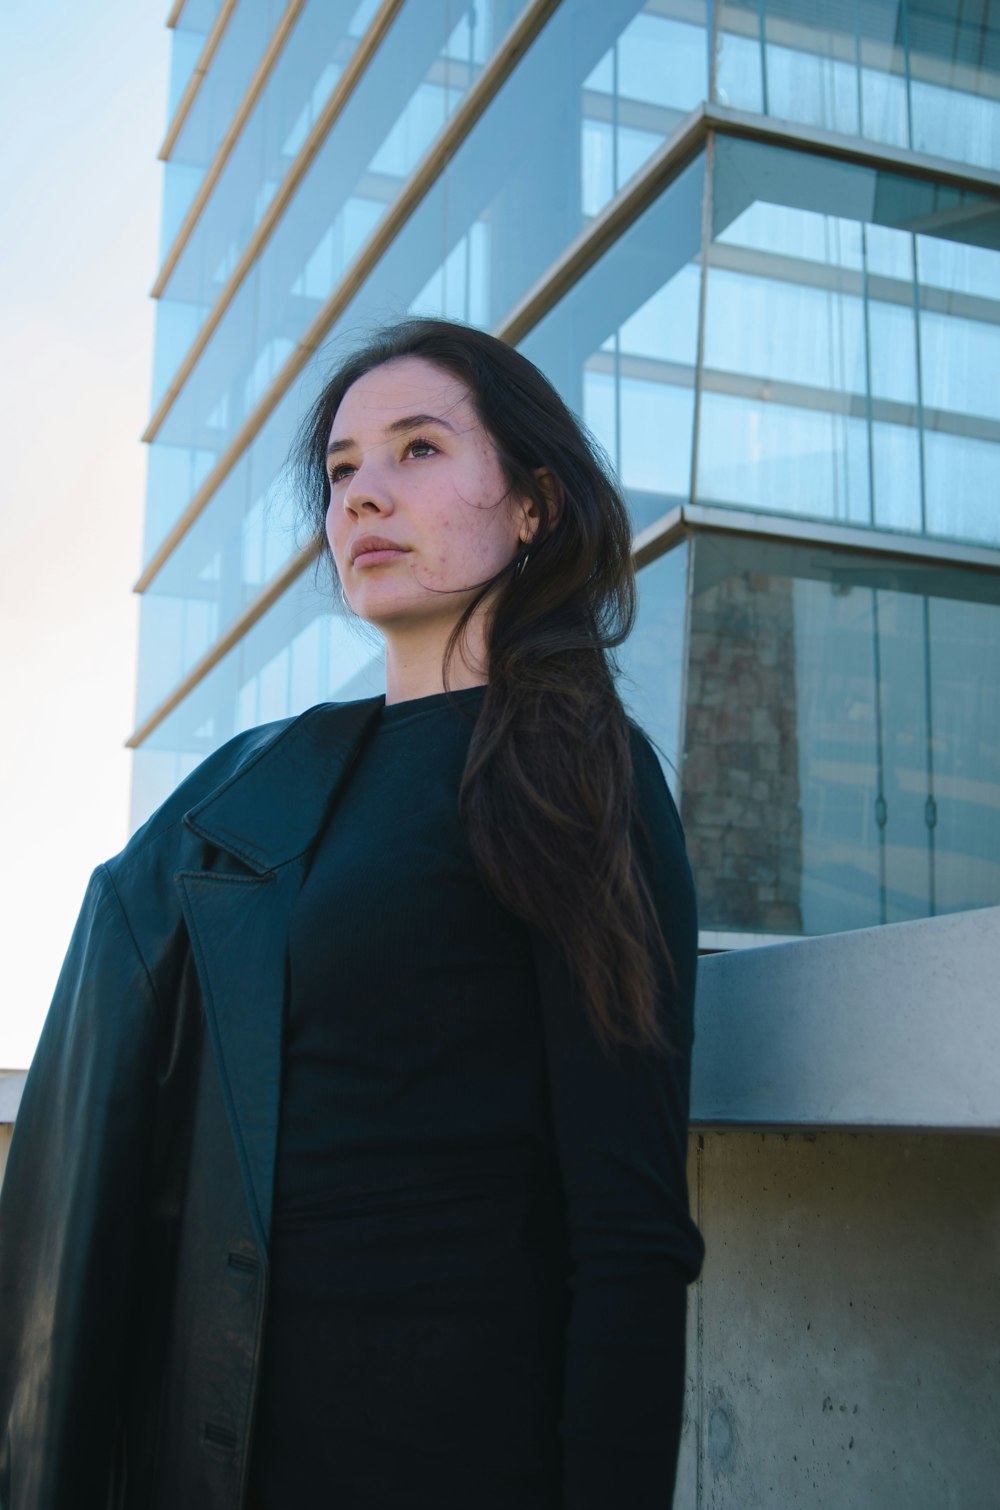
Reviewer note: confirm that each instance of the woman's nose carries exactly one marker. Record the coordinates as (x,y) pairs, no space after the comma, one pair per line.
(366,486)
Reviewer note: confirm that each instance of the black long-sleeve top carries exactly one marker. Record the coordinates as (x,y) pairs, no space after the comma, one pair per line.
(481,1239)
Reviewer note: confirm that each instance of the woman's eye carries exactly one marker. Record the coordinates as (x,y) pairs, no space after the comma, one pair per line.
(337,474)
(426,447)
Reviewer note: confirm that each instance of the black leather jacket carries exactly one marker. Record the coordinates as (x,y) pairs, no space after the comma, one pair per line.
(135,1211)
(130,1337)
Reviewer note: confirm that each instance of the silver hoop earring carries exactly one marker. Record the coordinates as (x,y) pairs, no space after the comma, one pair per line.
(519,568)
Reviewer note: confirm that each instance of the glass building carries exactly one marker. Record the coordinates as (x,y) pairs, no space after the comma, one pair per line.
(756,245)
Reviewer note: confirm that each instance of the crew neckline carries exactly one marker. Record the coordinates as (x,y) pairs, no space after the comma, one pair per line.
(391,715)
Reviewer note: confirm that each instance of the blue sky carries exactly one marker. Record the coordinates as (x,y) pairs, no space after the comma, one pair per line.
(83,92)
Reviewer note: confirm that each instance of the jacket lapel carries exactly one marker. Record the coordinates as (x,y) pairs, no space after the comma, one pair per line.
(267,816)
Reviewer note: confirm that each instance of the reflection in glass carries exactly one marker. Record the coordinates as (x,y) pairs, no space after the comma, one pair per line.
(621,348)
(230,553)
(304,650)
(842,738)
(426,63)
(232,66)
(652,658)
(852,341)
(187,41)
(912,73)
(500,214)
(308,69)
(602,87)
(488,196)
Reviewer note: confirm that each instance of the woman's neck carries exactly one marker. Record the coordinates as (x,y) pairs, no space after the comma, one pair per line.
(414,665)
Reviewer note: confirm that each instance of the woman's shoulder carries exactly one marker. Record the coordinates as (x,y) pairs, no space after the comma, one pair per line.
(224,765)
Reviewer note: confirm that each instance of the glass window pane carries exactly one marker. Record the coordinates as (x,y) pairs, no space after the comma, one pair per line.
(346,191)
(652,657)
(187,41)
(852,337)
(621,348)
(247,34)
(244,534)
(506,209)
(308,69)
(842,738)
(498,191)
(913,73)
(304,650)
(233,549)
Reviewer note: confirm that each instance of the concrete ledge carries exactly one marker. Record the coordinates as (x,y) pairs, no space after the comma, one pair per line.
(896,1026)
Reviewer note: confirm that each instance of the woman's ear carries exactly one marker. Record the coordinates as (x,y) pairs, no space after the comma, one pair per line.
(552,488)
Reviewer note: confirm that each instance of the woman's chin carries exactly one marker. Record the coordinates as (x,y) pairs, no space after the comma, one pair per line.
(394,612)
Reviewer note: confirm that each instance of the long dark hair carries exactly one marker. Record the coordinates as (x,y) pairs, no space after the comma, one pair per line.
(546,795)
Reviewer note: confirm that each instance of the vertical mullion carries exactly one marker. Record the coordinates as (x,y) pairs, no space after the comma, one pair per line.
(699,358)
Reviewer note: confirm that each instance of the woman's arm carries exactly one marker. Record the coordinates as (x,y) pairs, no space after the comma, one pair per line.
(69,1215)
(621,1134)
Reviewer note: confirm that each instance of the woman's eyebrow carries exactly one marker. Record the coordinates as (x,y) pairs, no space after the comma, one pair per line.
(410,422)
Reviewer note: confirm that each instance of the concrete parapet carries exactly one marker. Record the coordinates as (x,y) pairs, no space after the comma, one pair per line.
(894,1026)
(844,1337)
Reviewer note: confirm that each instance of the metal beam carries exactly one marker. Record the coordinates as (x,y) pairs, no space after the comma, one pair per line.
(253,91)
(198,73)
(861,539)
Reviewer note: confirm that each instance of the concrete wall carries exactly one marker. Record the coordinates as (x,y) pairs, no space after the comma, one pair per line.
(844,1338)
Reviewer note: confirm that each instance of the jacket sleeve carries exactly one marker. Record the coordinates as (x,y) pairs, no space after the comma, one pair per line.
(621,1138)
(68,1219)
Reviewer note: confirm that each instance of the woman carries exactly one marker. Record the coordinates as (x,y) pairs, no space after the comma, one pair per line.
(350,1169)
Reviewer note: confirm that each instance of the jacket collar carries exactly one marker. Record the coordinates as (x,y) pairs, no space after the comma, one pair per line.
(272,809)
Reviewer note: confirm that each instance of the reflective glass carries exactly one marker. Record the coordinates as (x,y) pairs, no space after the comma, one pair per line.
(602,87)
(232,66)
(634,388)
(852,342)
(621,348)
(428,59)
(231,552)
(187,40)
(922,74)
(652,658)
(305,74)
(304,650)
(495,220)
(495,191)
(841,738)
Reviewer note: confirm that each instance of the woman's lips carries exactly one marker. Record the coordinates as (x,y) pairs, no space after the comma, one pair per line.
(372,558)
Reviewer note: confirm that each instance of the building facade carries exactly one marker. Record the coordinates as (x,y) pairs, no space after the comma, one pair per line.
(756,246)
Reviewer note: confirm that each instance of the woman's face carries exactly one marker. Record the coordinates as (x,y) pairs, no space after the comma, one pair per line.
(409,461)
